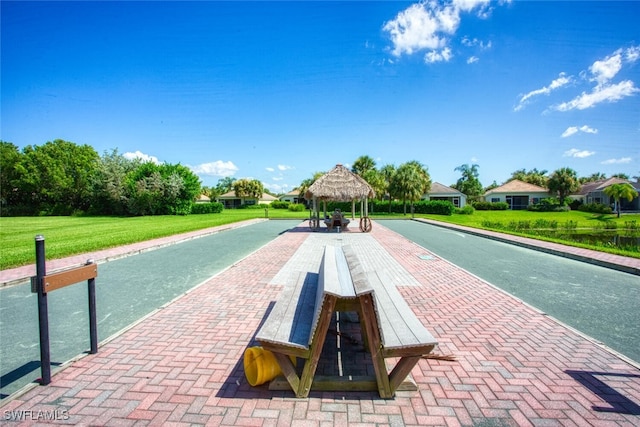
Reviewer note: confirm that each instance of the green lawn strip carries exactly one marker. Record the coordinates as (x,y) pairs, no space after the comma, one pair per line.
(66,236)
(584,223)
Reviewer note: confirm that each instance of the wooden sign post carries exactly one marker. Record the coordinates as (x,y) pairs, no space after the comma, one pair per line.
(42,284)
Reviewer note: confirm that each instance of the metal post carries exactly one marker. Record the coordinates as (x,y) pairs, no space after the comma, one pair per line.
(93,324)
(43,312)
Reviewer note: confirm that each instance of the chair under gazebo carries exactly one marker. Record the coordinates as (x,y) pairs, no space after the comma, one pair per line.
(340,185)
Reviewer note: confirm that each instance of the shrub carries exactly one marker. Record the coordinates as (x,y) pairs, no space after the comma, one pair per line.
(596,208)
(491,206)
(279,204)
(466,210)
(497,225)
(206,208)
(297,207)
(551,204)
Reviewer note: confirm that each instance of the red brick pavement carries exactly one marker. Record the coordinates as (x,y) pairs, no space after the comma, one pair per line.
(183,365)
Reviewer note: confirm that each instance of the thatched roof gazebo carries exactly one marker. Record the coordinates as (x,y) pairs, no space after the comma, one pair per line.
(341,185)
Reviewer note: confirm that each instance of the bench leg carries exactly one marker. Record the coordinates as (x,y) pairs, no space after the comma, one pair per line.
(370,321)
(310,365)
(288,370)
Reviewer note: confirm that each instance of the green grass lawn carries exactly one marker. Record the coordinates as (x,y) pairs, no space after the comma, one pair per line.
(65,236)
(584,223)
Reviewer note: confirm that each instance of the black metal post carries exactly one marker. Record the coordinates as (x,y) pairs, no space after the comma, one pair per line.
(43,312)
(93,324)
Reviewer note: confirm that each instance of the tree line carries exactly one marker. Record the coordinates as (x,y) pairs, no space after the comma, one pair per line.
(63,178)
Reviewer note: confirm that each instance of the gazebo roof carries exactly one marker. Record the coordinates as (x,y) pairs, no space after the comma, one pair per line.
(340,185)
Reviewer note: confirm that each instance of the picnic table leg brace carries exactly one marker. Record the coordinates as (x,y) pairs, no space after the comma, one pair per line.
(402,370)
(311,364)
(370,321)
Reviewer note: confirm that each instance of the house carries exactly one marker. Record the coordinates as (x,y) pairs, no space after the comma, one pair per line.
(517,194)
(230,200)
(593,192)
(292,196)
(203,198)
(442,192)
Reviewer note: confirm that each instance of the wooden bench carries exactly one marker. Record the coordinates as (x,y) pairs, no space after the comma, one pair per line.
(391,327)
(299,321)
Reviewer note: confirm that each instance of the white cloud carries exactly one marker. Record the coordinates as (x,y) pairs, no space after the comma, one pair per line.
(574,152)
(609,93)
(270,169)
(572,130)
(606,69)
(217,168)
(632,54)
(602,72)
(472,59)
(141,156)
(562,80)
(475,42)
(284,167)
(435,56)
(619,161)
(428,25)
(587,129)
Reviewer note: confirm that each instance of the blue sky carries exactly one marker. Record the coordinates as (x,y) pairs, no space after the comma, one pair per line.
(277,91)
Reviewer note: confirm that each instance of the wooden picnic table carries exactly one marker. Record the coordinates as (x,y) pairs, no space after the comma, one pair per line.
(299,321)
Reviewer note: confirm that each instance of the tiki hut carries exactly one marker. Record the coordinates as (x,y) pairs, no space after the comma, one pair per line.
(340,185)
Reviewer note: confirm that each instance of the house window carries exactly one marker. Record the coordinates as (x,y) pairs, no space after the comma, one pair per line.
(495,199)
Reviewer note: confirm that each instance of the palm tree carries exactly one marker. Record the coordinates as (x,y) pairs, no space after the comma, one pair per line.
(563,182)
(469,183)
(387,172)
(306,183)
(248,188)
(621,191)
(410,182)
(362,165)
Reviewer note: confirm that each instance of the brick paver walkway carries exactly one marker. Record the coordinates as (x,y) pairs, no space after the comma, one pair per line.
(183,365)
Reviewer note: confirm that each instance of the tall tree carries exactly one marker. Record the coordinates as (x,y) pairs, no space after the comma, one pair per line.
(620,175)
(621,191)
(9,159)
(563,182)
(469,183)
(306,183)
(376,180)
(410,182)
(594,177)
(225,185)
(109,194)
(362,165)
(533,176)
(248,188)
(387,172)
(161,189)
(56,177)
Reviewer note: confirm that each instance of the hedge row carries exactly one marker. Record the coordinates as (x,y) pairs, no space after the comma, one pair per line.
(207,208)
